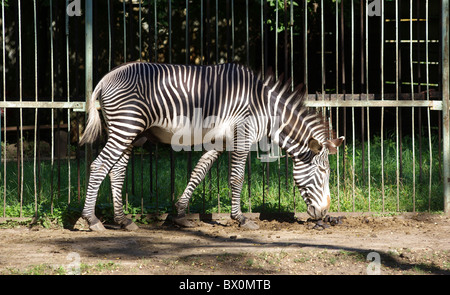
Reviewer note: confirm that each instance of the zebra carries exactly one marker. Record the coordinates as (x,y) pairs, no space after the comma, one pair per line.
(143,101)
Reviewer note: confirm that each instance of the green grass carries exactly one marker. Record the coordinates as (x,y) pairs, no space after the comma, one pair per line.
(277,196)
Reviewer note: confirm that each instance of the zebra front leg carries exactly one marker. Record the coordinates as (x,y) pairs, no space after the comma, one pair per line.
(117,176)
(238,159)
(197,175)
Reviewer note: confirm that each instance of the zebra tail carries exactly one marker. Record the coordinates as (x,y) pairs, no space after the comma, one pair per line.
(93,127)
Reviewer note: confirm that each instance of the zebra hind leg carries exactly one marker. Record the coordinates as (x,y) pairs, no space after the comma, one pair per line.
(197,175)
(101,166)
(98,172)
(117,176)
(238,159)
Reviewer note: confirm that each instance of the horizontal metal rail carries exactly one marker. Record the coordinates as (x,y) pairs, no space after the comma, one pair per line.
(76,106)
(310,102)
(432,104)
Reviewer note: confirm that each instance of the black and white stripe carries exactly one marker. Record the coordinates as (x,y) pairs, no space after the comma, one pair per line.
(221,103)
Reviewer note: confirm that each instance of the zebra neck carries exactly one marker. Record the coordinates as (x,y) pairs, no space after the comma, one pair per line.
(294,125)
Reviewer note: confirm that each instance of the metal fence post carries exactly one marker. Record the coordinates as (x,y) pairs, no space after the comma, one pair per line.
(445,102)
(88,73)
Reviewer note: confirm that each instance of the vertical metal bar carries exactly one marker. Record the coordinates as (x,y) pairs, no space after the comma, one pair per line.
(291,32)
(126,187)
(305,47)
(202,59)
(125,31)
(189,153)
(208,52)
(187,35)
(77,117)
(353,109)
(291,35)
(382,109)
(142,182)
(16,37)
(149,40)
(232,30)
(412,97)
(217,61)
(276,79)
(52,78)
(440,118)
(171,152)
(430,147)
(397,66)
(367,97)
(227,26)
(110,35)
(344,90)
(262,38)
(263,65)
(337,109)
(156,178)
(247,40)
(4,205)
(276,40)
(361,89)
(140,30)
(322,49)
(4,110)
(131,42)
(20,98)
(249,158)
(400,90)
(249,181)
(279,186)
(88,72)
(68,100)
(150,172)
(217,36)
(287,46)
(36,110)
(445,39)
(202,55)
(419,80)
(155,25)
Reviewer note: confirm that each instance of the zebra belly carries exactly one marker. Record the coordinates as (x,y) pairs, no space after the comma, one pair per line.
(209,138)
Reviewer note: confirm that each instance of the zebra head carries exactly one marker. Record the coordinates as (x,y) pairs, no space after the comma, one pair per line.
(312,174)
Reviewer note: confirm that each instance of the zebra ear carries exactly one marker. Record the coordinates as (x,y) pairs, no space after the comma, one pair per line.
(332,144)
(314,145)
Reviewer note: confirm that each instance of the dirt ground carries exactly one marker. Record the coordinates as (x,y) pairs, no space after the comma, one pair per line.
(404,244)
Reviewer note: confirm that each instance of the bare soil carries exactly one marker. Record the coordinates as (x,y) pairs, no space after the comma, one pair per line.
(407,244)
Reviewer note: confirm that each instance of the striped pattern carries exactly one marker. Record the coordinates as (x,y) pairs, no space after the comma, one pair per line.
(225,106)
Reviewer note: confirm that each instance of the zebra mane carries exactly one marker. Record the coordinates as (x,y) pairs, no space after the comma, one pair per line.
(295,98)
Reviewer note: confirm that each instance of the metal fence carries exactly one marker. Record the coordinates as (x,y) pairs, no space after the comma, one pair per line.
(377,69)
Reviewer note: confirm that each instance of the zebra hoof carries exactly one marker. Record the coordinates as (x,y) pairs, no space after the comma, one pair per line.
(98,227)
(249,224)
(320,225)
(183,222)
